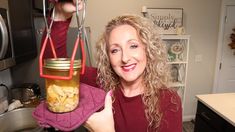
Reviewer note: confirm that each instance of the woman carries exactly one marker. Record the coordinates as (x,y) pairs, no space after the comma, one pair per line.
(131,61)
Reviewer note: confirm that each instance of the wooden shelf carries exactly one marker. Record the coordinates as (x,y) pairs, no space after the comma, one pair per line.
(176,84)
(177,62)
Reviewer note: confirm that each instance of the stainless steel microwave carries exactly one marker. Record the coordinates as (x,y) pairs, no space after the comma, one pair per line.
(6,46)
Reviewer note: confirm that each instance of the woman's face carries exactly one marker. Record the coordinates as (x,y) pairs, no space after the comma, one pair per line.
(126,53)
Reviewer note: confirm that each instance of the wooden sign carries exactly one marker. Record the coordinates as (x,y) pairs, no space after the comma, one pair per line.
(166,19)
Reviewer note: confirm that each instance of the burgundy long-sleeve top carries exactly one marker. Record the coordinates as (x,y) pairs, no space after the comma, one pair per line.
(129,115)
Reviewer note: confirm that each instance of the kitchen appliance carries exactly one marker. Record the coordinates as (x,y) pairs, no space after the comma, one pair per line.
(6,46)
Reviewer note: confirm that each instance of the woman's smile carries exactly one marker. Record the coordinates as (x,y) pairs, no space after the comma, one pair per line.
(128,68)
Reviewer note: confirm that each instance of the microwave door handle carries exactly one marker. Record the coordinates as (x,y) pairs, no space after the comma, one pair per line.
(4,34)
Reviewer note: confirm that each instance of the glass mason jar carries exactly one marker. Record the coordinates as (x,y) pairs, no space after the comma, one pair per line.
(62,95)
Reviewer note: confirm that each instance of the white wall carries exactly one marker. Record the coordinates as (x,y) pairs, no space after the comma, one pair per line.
(201,21)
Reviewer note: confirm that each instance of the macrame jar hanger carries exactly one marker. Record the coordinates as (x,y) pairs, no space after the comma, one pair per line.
(78,41)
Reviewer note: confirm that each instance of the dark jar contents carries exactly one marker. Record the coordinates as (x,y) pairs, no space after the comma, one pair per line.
(62,95)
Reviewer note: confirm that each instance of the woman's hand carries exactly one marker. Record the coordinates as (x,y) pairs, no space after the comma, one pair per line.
(66,8)
(102,121)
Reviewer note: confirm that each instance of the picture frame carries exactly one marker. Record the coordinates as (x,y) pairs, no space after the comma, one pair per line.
(177,73)
(168,20)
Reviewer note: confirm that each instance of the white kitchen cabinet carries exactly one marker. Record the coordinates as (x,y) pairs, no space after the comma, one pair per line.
(178,52)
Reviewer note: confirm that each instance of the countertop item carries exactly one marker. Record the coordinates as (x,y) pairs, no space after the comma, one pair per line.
(223,104)
(27,93)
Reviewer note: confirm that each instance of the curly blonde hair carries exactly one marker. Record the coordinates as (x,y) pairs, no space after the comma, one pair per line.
(155,73)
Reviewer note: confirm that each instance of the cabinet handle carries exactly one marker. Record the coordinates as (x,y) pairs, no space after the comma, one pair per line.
(205,116)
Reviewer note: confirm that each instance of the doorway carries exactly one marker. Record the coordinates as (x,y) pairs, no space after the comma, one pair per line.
(224,81)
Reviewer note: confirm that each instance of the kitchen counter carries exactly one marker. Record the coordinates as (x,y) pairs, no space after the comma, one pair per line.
(222,104)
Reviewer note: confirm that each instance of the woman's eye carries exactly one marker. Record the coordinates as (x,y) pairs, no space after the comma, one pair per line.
(114,51)
(134,46)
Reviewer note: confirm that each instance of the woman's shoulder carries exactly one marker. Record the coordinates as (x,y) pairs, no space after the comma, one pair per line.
(168,93)
(169,98)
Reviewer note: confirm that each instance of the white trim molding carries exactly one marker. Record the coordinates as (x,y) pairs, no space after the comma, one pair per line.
(188,118)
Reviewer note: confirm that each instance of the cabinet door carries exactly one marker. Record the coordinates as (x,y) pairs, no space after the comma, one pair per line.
(202,126)
(22,27)
(207,118)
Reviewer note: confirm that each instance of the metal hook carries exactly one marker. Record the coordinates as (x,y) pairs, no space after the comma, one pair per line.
(80,23)
(48,28)
(44,13)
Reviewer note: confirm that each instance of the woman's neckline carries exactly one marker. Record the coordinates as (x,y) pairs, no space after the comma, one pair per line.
(128,98)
